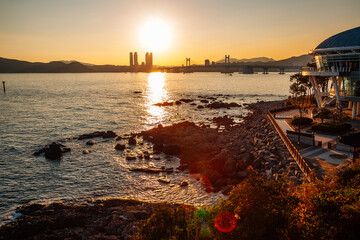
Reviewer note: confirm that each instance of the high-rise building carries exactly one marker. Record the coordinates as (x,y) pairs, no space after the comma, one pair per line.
(131,59)
(207,62)
(150,60)
(136,63)
(147,59)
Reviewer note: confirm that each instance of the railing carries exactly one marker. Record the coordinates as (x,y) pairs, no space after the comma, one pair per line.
(293,151)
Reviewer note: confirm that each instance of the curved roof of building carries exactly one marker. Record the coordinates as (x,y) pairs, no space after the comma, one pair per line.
(347,38)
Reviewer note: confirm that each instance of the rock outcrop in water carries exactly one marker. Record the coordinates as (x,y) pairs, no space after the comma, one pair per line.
(53,151)
(107,134)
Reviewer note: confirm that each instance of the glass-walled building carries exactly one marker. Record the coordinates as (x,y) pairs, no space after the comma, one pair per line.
(338,57)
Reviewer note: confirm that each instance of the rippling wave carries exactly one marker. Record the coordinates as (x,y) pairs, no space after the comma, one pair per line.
(38,109)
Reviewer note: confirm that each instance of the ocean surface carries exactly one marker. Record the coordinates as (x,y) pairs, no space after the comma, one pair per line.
(38,109)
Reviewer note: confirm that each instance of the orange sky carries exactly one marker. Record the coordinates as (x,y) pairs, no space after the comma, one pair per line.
(104,32)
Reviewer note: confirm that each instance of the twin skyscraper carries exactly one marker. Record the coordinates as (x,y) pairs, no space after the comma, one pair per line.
(134,64)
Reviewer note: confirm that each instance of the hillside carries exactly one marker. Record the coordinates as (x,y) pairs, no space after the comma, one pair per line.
(248,60)
(16,66)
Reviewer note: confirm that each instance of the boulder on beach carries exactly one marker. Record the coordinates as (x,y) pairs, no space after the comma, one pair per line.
(132,141)
(120,147)
(158,147)
(172,149)
(130,157)
(184,184)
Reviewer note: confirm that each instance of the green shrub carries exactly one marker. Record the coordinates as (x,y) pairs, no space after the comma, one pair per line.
(297,121)
(330,127)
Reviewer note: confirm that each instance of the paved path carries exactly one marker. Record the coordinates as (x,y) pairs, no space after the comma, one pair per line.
(323,153)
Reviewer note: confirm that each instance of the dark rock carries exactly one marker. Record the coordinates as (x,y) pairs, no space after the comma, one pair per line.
(204,101)
(91,142)
(200,106)
(109,134)
(137,92)
(217,105)
(91,135)
(169,170)
(172,149)
(193,104)
(86,151)
(132,141)
(185,100)
(184,184)
(158,147)
(146,170)
(53,151)
(164,104)
(178,103)
(118,138)
(120,147)
(130,157)
(225,121)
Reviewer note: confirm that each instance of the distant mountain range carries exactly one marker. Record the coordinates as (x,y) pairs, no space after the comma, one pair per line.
(17,66)
(293,61)
(258,59)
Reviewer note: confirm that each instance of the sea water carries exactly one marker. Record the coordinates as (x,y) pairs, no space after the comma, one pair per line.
(38,109)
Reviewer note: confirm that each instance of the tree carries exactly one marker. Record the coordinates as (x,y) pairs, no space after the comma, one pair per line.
(299,87)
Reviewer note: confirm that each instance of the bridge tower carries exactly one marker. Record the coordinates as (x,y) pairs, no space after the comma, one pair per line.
(187,62)
(227,59)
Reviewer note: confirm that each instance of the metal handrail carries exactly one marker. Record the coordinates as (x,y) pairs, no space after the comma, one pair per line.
(292,150)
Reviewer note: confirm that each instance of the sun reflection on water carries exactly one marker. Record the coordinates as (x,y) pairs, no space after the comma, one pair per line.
(156,93)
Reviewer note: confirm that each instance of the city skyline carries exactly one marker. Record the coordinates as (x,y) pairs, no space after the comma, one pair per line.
(105,32)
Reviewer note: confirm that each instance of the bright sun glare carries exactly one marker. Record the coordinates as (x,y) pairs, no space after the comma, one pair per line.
(155,35)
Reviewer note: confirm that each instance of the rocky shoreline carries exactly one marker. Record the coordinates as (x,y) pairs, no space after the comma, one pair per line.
(224,157)
(100,219)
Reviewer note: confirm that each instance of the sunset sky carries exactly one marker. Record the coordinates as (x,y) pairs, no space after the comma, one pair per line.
(105,31)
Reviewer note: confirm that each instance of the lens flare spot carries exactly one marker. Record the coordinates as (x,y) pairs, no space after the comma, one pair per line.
(225,222)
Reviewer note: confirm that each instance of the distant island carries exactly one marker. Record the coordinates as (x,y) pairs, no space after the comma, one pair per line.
(18,66)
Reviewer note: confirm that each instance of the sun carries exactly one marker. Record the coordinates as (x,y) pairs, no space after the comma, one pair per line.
(155,35)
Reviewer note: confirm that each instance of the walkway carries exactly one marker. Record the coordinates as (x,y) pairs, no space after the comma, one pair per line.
(333,157)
